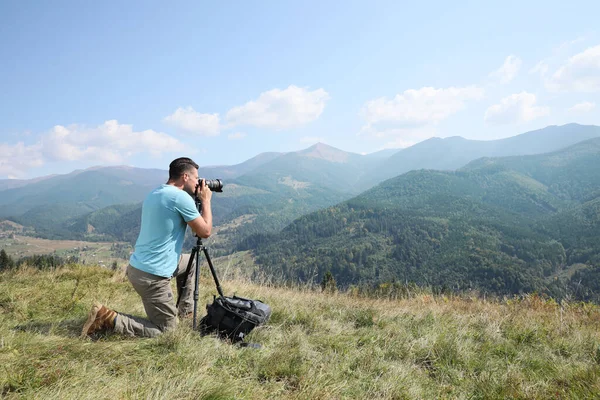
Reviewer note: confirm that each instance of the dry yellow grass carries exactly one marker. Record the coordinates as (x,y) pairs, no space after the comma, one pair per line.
(317,346)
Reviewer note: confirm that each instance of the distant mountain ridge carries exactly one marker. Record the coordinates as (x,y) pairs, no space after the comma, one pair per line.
(319,165)
(92,189)
(454,152)
(267,191)
(233,171)
(328,153)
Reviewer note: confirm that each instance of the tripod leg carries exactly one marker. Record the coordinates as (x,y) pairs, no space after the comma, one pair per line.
(213,272)
(196,280)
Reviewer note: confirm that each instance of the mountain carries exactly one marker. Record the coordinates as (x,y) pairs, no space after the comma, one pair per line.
(98,187)
(233,171)
(268,192)
(383,154)
(319,165)
(454,152)
(275,193)
(493,226)
(569,174)
(339,173)
(85,190)
(120,221)
(271,190)
(325,152)
(46,203)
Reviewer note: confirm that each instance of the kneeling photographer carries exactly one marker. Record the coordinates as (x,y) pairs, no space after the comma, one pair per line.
(166,213)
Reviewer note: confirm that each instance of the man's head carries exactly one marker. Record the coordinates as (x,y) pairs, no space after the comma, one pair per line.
(183,172)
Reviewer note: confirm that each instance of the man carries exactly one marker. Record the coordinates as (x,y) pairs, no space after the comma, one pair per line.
(166,213)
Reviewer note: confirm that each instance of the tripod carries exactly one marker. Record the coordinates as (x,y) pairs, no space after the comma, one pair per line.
(195,257)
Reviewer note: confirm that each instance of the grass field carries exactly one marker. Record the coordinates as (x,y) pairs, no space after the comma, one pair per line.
(316,346)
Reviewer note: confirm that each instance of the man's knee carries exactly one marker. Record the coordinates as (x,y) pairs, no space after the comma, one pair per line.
(169,325)
(161,310)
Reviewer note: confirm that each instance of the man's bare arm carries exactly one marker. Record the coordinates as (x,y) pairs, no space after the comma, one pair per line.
(202,226)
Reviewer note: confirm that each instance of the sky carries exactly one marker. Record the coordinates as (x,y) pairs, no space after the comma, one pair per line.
(140,83)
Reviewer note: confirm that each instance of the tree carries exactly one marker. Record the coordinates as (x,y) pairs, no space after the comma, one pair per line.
(6,261)
(328,283)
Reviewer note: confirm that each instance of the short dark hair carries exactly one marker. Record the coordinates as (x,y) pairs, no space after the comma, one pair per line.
(180,166)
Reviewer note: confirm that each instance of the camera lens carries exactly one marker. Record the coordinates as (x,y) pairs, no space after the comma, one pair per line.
(215,185)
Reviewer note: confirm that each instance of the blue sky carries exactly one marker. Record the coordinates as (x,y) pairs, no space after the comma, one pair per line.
(140,83)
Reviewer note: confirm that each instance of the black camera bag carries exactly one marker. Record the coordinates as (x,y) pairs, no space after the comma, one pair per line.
(234,317)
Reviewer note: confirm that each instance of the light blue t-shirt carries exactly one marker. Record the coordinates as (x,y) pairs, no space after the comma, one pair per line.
(165,214)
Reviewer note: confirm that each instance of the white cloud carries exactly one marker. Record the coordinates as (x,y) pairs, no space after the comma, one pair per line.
(108,143)
(555,58)
(236,136)
(581,73)
(280,109)
(16,159)
(515,108)
(508,71)
(540,68)
(583,107)
(567,44)
(419,107)
(187,119)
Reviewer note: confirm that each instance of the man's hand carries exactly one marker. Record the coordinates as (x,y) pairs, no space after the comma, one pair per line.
(202,226)
(205,193)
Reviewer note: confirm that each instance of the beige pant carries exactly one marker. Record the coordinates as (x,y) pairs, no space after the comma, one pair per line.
(158,301)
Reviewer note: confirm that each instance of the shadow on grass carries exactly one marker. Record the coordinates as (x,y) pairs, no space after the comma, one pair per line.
(69,328)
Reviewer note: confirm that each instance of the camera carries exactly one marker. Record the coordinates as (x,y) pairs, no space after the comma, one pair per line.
(215,185)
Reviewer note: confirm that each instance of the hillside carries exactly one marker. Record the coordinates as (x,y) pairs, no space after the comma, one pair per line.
(275,187)
(454,152)
(486,227)
(316,346)
(233,171)
(572,173)
(267,192)
(278,189)
(81,191)
(319,165)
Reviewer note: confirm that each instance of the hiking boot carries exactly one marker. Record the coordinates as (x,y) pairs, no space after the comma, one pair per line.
(185,315)
(99,319)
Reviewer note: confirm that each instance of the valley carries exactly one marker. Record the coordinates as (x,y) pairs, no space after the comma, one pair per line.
(87,253)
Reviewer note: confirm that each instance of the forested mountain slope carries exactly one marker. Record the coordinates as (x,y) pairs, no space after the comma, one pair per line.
(502,225)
